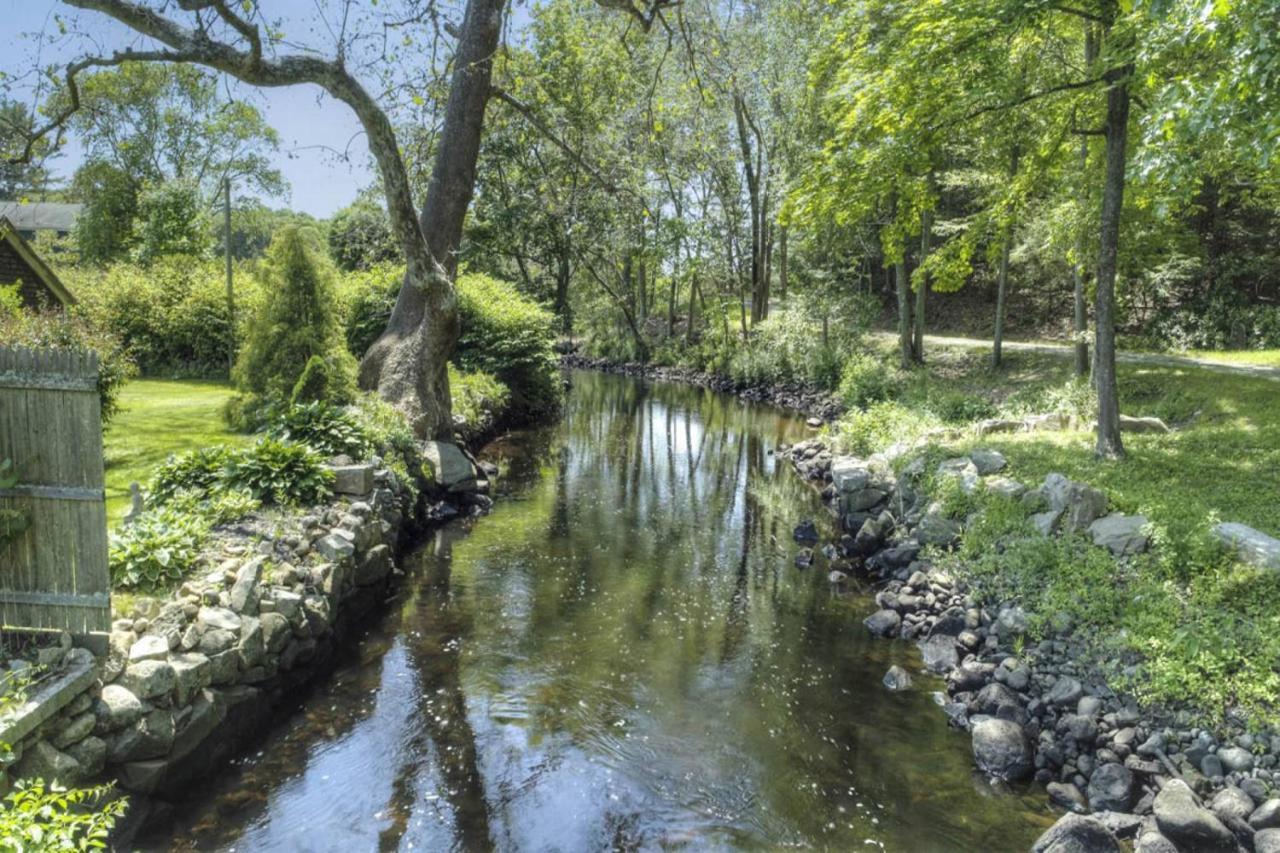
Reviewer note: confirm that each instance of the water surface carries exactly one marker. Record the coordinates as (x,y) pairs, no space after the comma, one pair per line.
(621,656)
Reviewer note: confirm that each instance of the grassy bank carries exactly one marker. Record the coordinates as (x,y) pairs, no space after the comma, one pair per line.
(1184,624)
(158,417)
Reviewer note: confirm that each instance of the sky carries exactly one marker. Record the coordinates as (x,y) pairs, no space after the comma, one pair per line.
(308,124)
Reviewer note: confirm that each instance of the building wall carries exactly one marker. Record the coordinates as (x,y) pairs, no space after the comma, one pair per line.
(12,268)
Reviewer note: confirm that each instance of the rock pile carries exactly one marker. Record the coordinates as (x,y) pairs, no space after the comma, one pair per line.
(1043,712)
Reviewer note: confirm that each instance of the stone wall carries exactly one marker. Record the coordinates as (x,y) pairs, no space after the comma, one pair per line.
(189,678)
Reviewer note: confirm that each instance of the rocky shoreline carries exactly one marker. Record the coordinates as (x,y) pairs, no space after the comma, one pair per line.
(191,678)
(1122,773)
(815,404)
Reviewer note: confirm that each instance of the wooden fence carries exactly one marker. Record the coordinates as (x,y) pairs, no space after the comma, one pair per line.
(53,573)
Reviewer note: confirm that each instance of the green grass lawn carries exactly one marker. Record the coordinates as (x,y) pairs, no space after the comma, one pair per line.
(1258,358)
(158,417)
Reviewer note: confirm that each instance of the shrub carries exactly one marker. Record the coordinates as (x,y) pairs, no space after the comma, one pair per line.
(789,347)
(71,331)
(390,434)
(172,316)
(158,547)
(279,472)
(197,471)
(866,380)
(328,429)
(512,338)
(297,322)
(479,400)
(957,407)
(367,297)
(880,425)
(38,817)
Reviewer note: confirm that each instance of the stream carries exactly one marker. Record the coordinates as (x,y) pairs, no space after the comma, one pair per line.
(623,655)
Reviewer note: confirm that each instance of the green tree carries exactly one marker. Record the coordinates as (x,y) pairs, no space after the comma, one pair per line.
(360,237)
(173,219)
(294,350)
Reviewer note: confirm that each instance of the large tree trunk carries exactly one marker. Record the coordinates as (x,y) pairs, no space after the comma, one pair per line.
(1002,278)
(782,264)
(1117,133)
(1080,320)
(408,364)
(926,236)
(563,276)
(905,345)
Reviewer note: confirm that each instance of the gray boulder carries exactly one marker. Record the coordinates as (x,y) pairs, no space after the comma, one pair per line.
(1080,503)
(1149,425)
(1267,841)
(1153,842)
(1065,692)
(987,461)
(1231,802)
(335,548)
(1077,834)
(883,623)
(849,474)
(1001,749)
(1120,534)
(116,708)
(150,647)
(1111,788)
(1266,816)
(939,654)
(1253,546)
(449,467)
(352,479)
(149,678)
(1235,759)
(936,529)
(1187,824)
(42,760)
(1067,796)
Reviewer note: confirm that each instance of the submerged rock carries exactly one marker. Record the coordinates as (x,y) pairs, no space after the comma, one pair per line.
(897,678)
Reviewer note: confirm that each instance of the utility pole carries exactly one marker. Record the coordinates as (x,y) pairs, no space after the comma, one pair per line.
(226,247)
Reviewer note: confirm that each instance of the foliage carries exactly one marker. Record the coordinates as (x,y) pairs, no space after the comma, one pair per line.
(297,322)
(18,179)
(479,401)
(158,547)
(324,427)
(77,332)
(863,432)
(104,230)
(787,347)
(40,818)
(172,220)
(389,431)
(279,472)
(195,471)
(865,380)
(512,338)
(367,297)
(172,316)
(360,238)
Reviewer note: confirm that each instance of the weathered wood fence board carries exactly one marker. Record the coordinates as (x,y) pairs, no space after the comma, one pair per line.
(54,574)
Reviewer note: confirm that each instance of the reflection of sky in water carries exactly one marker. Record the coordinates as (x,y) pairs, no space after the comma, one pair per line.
(621,656)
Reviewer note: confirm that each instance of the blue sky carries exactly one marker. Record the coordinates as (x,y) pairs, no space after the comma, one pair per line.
(320,182)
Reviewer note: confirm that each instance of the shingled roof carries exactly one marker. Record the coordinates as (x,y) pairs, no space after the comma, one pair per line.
(32,216)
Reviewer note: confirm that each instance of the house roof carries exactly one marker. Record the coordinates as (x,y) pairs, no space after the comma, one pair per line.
(41,215)
(9,234)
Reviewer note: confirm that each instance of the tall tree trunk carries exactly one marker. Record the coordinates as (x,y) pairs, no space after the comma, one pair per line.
(563,272)
(926,236)
(905,344)
(1079,319)
(758,310)
(1002,278)
(1117,132)
(782,263)
(408,364)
